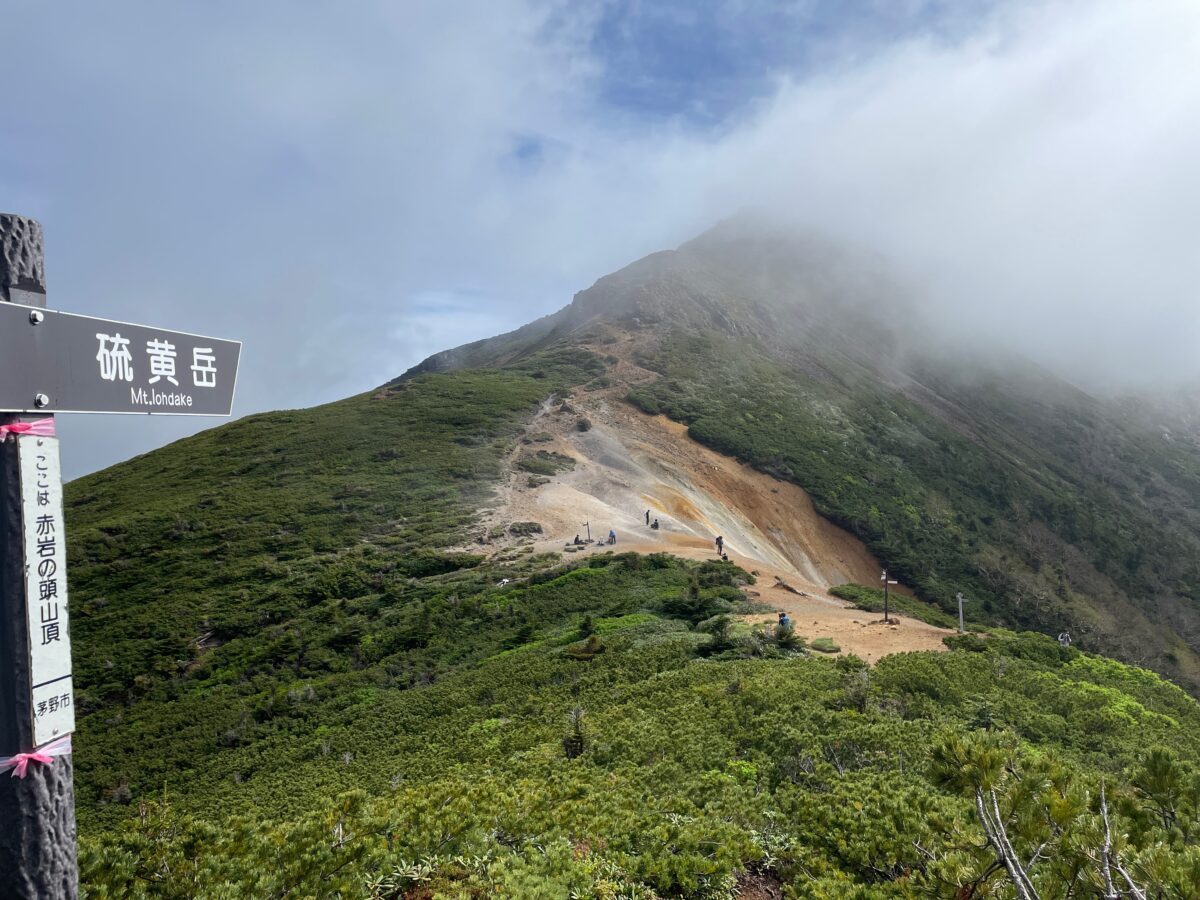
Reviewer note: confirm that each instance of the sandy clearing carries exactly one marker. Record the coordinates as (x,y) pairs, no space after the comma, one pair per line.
(814,612)
(628,462)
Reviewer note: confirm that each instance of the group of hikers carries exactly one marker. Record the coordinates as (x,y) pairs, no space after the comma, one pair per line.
(579,542)
(654,526)
(612,534)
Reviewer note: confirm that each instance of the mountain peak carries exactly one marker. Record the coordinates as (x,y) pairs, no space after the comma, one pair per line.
(747,277)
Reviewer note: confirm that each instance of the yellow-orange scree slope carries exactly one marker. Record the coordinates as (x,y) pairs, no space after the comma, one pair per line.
(628,462)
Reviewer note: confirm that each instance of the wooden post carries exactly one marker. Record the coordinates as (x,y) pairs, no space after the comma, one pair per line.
(37,812)
(886,608)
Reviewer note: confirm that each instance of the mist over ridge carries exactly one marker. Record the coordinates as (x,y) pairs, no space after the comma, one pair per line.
(411,181)
(760,273)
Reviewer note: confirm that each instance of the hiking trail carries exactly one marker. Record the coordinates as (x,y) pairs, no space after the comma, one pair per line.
(625,462)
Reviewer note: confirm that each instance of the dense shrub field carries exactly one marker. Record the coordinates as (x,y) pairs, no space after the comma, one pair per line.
(835,780)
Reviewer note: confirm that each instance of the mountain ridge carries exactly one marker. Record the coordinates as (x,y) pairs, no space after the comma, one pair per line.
(1071,459)
(686,287)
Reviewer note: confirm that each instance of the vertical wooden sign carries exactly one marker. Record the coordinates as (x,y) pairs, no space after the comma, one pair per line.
(45,553)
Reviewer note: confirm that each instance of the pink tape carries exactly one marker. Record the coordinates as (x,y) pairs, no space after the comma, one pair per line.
(44,755)
(40,427)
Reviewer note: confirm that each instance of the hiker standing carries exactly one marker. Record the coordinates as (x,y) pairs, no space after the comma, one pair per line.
(720,545)
(647,517)
(612,536)
(784,620)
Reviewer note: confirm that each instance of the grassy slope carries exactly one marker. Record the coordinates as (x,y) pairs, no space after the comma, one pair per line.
(1020,515)
(212,572)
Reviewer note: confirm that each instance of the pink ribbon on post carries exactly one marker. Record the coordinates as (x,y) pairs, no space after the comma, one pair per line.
(40,427)
(44,755)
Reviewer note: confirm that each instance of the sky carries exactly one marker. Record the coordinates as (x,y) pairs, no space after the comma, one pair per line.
(348,188)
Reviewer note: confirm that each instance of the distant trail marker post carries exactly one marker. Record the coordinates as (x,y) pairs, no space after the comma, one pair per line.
(59,362)
(884,579)
(960,598)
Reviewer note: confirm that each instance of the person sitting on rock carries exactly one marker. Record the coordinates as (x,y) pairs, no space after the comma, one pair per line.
(655,525)
(577,541)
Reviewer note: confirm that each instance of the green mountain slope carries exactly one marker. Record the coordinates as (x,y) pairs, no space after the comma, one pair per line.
(256,554)
(1048,514)
(1050,508)
(293,681)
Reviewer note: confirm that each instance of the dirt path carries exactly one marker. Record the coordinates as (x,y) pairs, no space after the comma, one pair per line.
(626,462)
(813,611)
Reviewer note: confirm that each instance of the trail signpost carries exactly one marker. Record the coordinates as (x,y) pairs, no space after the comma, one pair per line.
(53,362)
(60,362)
(883,578)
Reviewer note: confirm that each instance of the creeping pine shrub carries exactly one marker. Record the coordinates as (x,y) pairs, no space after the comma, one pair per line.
(521,529)
(693,605)
(972,643)
(1039,648)
(851,662)
(787,639)
(590,648)
(587,626)
(719,628)
(574,743)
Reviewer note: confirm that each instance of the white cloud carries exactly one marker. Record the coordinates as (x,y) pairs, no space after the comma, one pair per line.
(308,180)
(1037,178)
